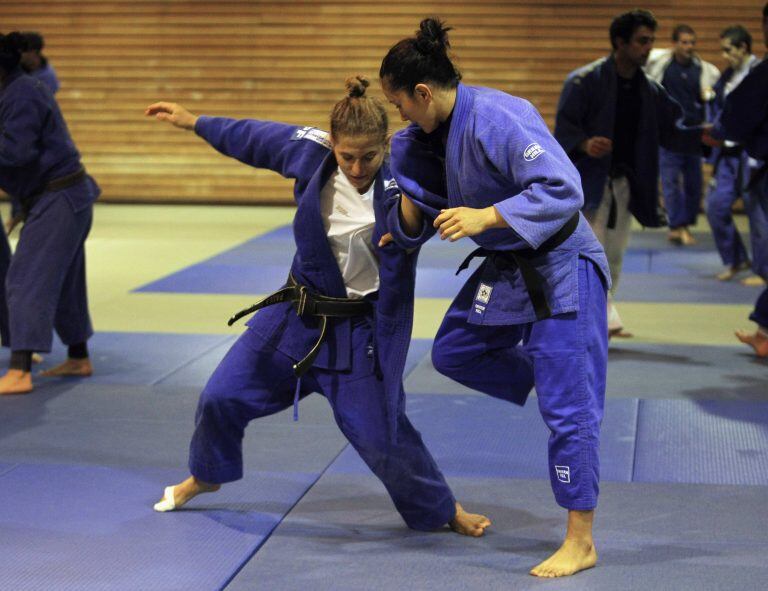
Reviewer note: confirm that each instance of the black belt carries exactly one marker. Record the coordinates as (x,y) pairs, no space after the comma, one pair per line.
(309,303)
(58,184)
(520,259)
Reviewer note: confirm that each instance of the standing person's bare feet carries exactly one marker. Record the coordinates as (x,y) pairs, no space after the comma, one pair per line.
(686,238)
(16,381)
(753,281)
(71,367)
(577,552)
(732,271)
(757,340)
(177,496)
(469,524)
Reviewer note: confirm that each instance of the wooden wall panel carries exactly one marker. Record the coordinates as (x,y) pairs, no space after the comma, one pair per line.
(287,61)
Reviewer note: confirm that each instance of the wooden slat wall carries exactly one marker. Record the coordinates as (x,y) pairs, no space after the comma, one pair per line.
(287,61)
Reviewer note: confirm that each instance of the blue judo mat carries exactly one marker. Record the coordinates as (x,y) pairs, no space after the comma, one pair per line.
(653,271)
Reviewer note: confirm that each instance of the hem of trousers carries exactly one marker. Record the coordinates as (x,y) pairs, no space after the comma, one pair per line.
(220,474)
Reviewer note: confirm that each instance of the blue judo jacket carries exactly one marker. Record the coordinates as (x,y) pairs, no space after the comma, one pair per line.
(35,145)
(587,108)
(304,154)
(744,114)
(500,153)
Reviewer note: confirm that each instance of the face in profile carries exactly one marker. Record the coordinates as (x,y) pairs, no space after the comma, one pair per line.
(638,48)
(417,108)
(734,54)
(359,158)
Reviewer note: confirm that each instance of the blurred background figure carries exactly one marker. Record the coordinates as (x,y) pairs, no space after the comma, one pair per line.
(35,63)
(689,80)
(729,174)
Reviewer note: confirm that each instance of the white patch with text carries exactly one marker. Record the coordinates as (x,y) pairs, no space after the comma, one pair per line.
(532,152)
(563,473)
(313,134)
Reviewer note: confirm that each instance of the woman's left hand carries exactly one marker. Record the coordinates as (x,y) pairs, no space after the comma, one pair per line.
(460,222)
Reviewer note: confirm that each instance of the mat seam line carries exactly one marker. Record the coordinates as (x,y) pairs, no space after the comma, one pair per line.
(288,512)
(189,362)
(634,450)
(8,470)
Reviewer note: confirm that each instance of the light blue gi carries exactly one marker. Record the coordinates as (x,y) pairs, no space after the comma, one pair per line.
(499,152)
(45,285)
(360,365)
(744,119)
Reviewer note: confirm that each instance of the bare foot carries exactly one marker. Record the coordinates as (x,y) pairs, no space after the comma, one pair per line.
(71,367)
(182,493)
(16,381)
(577,552)
(757,340)
(469,524)
(619,333)
(753,281)
(37,358)
(732,271)
(686,238)
(675,236)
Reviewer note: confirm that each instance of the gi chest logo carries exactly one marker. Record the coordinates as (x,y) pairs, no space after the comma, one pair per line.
(563,473)
(532,152)
(483,293)
(390,184)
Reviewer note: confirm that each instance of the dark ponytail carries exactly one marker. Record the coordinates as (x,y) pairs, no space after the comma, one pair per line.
(11,46)
(422,58)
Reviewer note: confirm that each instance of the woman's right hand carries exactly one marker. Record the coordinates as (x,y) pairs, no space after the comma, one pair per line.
(172,113)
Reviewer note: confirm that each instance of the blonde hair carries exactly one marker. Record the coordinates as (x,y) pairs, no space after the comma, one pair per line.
(357,114)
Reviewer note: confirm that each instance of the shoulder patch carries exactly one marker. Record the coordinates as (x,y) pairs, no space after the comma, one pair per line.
(532,152)
(391,184)
(313,134)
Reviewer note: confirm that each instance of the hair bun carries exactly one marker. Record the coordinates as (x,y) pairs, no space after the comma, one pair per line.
(432,36)
(356,86)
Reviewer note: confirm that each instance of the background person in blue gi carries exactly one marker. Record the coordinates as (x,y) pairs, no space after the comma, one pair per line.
(689,80)
(40,168)
(744,119)
(344,192)
(480,163)
(729,176)
(611,120)
(35,63)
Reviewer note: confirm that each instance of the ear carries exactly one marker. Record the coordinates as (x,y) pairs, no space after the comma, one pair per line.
(423,92)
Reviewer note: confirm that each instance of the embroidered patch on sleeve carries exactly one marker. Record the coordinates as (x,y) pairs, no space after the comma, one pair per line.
(313,134)
(563,474)
(532,152)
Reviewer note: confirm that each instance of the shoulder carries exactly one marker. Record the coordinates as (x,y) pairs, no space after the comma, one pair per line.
(586,72)
(499,110)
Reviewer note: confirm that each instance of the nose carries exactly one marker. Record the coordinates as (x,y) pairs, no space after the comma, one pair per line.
(357,168)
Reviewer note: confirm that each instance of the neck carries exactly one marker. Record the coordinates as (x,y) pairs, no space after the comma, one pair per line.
(445,100)
(683,60)
(624,67)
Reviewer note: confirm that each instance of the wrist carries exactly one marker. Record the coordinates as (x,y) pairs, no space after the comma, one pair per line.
(494,219)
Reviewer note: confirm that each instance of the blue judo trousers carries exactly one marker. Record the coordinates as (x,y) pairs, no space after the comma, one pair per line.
(360,365)
(45,282)
(744,119)
(496,151)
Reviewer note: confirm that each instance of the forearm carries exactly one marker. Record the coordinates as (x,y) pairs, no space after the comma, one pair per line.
(411,218)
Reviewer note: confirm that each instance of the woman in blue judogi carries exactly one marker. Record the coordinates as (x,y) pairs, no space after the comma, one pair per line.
(342,323)
(481,163)
(40,168)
